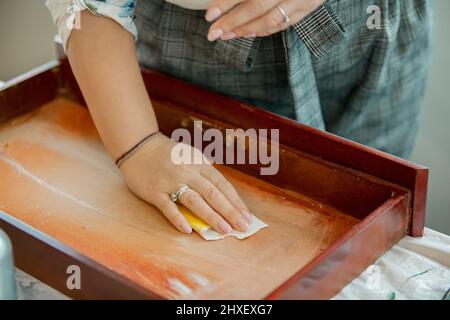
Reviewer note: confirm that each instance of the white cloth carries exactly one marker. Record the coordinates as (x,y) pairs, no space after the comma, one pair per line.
(416,268)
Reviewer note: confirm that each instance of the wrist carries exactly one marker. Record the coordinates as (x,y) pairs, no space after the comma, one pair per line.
(143,148)
(146,140)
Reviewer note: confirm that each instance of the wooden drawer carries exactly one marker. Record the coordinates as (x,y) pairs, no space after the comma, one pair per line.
(333,208)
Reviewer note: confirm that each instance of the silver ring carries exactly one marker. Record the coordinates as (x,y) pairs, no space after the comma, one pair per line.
(285,16)
(177,195)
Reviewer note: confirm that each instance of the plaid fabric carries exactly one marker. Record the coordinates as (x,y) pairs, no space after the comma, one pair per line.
(329,71)
(319,30)
(239,52)
(173,40)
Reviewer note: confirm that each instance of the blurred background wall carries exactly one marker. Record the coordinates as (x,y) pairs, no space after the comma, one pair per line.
(433,144)
(26,41)
(26,36)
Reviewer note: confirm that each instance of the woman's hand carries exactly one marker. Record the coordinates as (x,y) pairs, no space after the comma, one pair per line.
(121,101)
(152,175)
(255,18)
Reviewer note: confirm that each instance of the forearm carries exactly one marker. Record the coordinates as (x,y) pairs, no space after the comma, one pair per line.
(103,58)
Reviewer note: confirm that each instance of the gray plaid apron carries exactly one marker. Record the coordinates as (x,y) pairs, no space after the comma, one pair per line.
(330,71)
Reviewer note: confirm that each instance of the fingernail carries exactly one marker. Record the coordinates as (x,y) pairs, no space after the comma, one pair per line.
(186,227)
(228,36)
(224,227)
(247,215)
(251,35)
(215,34)
(242,225)
(213,14)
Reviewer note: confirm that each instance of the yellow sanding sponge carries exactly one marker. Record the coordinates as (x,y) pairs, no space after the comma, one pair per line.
(207,233)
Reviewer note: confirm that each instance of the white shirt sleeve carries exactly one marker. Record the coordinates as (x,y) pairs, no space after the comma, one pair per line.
(66,14)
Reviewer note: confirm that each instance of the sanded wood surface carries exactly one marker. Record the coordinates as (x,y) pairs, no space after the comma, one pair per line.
(61,181)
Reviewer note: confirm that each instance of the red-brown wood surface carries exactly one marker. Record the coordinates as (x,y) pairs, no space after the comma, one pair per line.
(47,259)
(323,276)
(61,181)
(309,140)
(314,142)
(29,91)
